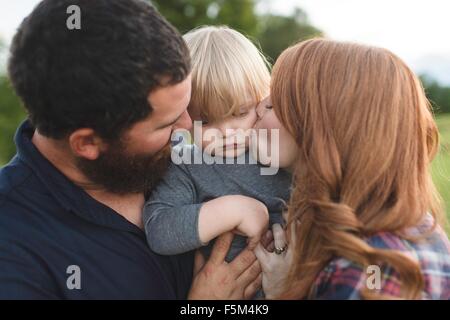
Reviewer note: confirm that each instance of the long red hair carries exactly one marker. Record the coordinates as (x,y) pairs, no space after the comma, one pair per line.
(366,137)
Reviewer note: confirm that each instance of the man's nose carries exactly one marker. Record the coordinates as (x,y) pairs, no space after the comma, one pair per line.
(185,121)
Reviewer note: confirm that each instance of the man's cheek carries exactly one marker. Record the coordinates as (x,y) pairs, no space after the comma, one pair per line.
(156,143)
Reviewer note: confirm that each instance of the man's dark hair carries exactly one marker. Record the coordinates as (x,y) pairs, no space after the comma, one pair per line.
(99,76)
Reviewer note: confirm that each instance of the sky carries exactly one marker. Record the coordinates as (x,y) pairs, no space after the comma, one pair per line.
(416,30)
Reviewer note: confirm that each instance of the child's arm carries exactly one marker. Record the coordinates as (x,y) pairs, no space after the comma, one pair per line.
(170,216)
(244,215)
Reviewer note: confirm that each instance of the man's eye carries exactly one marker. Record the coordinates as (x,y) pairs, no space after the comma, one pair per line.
(204,122)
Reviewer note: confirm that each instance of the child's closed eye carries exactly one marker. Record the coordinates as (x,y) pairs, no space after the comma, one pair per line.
(244,112)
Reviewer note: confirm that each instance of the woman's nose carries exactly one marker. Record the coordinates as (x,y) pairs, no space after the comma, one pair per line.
(260,111)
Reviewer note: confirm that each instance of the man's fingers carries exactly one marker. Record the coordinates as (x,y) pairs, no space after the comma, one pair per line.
(253,287)
(199,262)
(279,236)
(242,262)
(250,274)
(221,247)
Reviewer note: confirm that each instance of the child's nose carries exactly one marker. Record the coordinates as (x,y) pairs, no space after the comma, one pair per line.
(230,130)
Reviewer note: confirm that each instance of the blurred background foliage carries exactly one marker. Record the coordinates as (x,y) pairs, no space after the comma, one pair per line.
(188,14)
(273,33)
(11,114)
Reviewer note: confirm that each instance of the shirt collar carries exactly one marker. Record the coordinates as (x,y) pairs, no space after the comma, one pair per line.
(70,196)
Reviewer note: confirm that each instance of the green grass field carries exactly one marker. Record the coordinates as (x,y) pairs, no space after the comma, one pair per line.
(441,164)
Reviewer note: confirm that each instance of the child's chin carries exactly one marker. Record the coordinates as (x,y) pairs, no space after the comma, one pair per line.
(227,153)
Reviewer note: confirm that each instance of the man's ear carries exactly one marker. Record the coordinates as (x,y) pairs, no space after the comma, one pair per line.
(86,144)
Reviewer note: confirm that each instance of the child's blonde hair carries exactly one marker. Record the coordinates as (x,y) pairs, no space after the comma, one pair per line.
(228,71)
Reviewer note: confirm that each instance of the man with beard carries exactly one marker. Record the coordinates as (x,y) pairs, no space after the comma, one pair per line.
(102,102)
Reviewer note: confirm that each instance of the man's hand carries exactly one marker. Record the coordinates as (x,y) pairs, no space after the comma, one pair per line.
(217,279)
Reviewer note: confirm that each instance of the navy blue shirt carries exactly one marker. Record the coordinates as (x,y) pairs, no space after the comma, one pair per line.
(57,242)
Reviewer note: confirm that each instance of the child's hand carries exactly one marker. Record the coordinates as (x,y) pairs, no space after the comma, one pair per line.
(254,220)
(241,214)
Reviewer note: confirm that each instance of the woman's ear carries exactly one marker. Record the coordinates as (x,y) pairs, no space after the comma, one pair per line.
(86,144)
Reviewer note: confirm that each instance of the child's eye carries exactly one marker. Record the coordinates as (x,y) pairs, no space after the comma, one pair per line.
(243,114)
(268,107)
(204,122)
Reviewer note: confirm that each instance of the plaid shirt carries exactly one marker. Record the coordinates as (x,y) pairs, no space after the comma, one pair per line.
(343,279)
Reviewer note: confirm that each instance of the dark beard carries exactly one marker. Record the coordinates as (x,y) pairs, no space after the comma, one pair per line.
(121,173)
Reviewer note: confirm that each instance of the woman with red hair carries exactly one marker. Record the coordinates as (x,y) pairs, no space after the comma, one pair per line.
(356,130)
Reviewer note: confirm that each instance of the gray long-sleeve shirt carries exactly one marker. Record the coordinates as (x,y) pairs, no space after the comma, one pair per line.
(172,211)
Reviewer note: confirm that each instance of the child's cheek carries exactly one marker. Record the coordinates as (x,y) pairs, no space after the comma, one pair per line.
(203,140)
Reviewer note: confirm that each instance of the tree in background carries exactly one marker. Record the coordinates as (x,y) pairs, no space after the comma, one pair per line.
(188,14)
(279,32)
(273,32)
(439,95)
(11,114)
